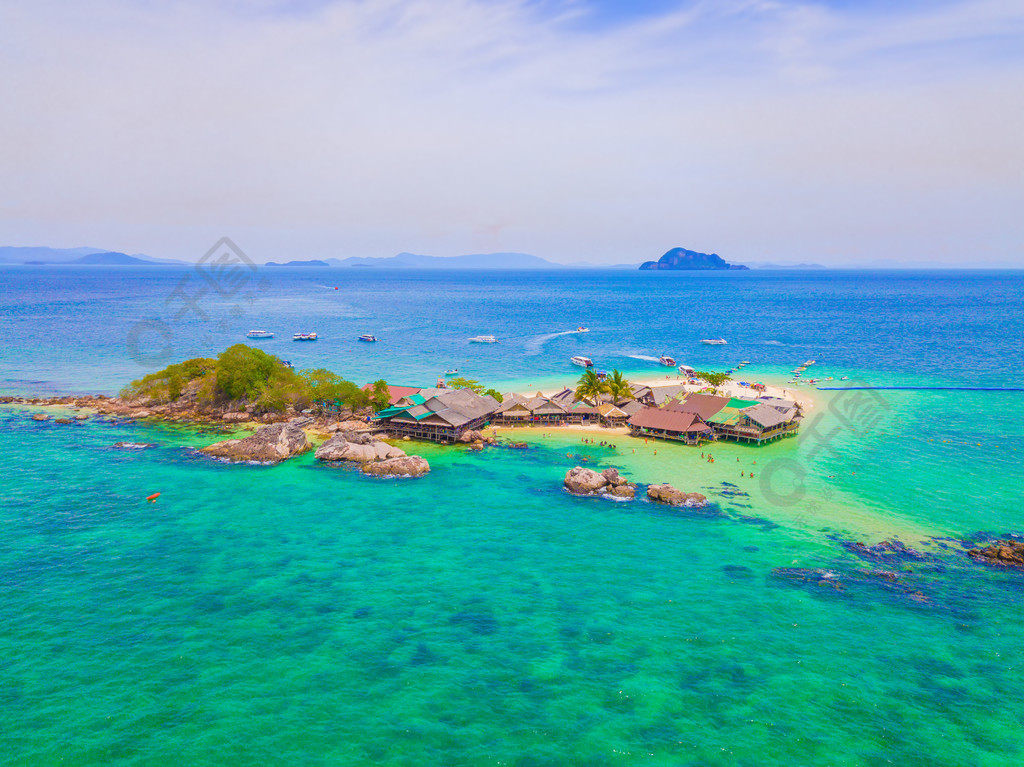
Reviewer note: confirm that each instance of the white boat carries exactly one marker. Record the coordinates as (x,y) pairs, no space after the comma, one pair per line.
(368,338)
(582,329)
(483,340)
(687,371)
(452,372)
(583,362)
(304,337)
(667,361)
(259,334)
(713,341)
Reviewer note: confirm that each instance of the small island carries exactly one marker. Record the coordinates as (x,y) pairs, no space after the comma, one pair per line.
(681,259)
(311,262)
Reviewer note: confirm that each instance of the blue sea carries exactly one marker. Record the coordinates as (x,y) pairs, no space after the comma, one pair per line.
(305,614)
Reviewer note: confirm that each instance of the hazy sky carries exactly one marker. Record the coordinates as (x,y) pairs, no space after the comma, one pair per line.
(602,131)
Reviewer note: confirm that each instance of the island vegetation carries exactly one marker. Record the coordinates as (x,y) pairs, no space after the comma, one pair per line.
(241,376)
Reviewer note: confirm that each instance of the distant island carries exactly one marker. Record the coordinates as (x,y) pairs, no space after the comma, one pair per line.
(681,259)
(311,262)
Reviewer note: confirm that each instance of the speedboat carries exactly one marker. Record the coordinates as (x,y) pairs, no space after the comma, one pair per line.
(287,363)
(602,374)
(583,362)
(304,337)
(259,334)
(452,372)
(483,340)
(713,341)
(667,361)
(687,371)
(582,329)
(370,339)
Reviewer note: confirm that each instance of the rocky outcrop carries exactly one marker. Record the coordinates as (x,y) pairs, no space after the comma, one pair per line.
(62,420)
(683,259)
(269,444)
(40,417)
(235,417)
(1007,553)
(581,481)
(406,466)
(357,448)
(665,493)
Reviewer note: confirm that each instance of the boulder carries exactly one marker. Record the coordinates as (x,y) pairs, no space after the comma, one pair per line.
(269,444)
(357,448)
(471,436)
(1008,553)
(625,490)
(235,417)
(405,466)
(141,413)
(40,417)
(580,481)
(82,417)
(665,493)
(62,420)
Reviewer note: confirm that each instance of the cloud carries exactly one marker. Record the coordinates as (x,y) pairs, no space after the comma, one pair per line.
(758,129)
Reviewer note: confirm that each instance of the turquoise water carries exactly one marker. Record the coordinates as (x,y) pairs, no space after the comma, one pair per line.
(307,614)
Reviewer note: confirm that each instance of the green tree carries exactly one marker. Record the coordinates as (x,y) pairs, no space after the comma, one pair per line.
(243,371)
(619,387)
(327,389)
(494,393)
(380,396)
(714,380)
(465,383)
(590,387)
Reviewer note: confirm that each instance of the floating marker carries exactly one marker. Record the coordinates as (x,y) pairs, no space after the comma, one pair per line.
(152,498)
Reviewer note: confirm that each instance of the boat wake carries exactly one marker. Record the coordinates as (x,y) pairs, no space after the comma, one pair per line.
(643,357)
(774,343)
(533,346)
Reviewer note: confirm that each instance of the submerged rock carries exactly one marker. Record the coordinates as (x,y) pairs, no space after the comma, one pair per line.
(62,420)
(133,445)
(1007,553)
(40,417)
(665,493)
(269,444)
(891,550)
(405,466)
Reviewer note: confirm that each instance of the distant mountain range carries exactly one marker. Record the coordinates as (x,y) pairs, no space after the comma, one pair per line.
(474,261)
(675,259)
(681,259)
(79,256)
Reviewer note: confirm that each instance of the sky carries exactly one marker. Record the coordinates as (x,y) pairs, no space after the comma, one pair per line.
(576,130)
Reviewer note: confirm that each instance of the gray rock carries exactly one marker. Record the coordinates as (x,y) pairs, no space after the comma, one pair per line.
(357,448)
(406,466)
(580,481)
(40,417)
(269,444)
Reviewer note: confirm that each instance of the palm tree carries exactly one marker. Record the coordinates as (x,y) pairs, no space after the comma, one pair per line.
(590,387)
(619,387)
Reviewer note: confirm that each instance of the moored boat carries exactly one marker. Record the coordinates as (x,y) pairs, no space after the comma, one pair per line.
(259,334)
(483,340)
(583,362)
(368,338)
(304,337)
(713,341)
(452,372)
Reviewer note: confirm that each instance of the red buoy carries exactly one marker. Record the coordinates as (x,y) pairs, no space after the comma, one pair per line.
(153,497)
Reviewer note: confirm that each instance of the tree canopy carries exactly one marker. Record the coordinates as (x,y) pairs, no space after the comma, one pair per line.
(590,386)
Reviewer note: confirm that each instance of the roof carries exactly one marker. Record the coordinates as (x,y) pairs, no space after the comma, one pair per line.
(455,407)
(668,420)
(608,410)
(766,416)
(631,407)
(704,405)
(512,401)
(395,393)
(582,407)
(544,406)
(739,404)
(662,393)
(565,397)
